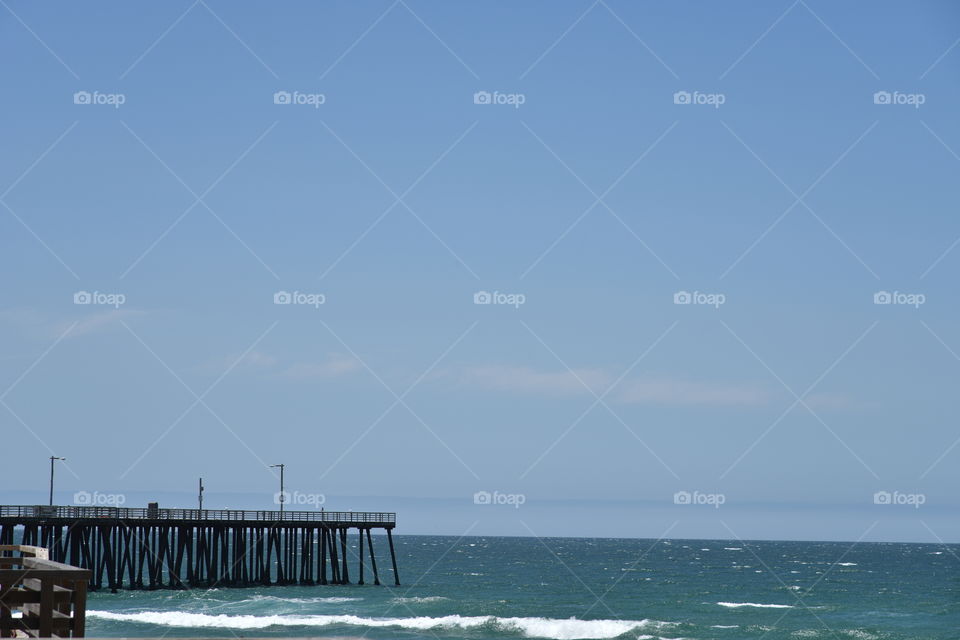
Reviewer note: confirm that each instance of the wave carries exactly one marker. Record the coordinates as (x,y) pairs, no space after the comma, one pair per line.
(303,600)
(553,628)
(737,605)
(419,599)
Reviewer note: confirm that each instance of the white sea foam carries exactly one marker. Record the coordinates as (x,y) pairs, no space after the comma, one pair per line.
(331,600)
(846,564)
(419,599)
(737,605)
(553,628)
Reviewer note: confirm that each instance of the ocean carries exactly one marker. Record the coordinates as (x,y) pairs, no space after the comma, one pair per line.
(570,588)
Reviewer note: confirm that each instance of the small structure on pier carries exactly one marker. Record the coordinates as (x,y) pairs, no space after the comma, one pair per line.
(177,548)
(49,597)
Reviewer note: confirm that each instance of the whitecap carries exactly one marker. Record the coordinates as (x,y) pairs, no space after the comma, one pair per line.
(552,628)
(420,599)
(737,605)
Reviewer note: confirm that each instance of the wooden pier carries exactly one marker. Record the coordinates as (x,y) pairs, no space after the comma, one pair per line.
(185,548)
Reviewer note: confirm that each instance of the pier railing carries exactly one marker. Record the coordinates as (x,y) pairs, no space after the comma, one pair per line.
(51,597)
(125,513)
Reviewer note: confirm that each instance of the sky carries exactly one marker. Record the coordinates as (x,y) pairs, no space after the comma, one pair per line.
(572,268)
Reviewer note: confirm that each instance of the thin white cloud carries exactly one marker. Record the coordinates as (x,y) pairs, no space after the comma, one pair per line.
(647,390)
(527,380)
(333,367)
(97,322)
(686,393)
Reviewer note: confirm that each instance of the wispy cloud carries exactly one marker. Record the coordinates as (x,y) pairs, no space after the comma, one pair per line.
(654,390)
(43,326)
(334,365)
(528,380)
(102,321)
(685,392)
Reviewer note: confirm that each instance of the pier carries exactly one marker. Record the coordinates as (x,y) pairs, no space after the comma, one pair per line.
(152,548)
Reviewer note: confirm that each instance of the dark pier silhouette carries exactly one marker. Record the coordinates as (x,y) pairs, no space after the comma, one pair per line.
(156,548)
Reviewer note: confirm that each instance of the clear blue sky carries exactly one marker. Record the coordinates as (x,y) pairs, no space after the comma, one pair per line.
(597,199)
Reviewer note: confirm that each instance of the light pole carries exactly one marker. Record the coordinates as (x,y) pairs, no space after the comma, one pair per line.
(283,497)
(52,460)
(200,494)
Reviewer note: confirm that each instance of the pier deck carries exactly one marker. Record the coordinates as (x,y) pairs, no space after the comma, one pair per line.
(155,548)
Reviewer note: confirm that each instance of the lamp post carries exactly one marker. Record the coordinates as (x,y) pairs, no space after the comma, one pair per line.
(282,495)
(52,460)
(200,494)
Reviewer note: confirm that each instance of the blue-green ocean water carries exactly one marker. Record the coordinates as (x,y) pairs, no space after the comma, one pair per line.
(583,588)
